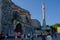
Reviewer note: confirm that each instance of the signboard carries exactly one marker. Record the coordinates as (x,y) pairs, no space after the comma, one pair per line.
(58,29)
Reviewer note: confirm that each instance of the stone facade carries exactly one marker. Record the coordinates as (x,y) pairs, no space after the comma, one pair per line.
(11,15)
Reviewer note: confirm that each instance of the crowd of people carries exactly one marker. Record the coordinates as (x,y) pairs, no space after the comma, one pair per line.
(47,37)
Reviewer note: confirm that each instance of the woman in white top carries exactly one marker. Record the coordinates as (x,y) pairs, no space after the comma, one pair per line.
(48,37)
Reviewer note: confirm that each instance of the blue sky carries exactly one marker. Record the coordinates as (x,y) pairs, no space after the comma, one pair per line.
(52,9)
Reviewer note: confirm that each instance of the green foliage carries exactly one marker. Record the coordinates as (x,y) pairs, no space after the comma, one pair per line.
(54,27)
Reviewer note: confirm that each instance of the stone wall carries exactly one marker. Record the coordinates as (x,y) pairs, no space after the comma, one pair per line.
(11,14)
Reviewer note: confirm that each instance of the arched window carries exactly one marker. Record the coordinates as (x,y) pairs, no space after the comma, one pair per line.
(15,14)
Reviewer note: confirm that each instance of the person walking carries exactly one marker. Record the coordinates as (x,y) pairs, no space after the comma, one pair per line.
(44,36)
(0,36)
(48,37)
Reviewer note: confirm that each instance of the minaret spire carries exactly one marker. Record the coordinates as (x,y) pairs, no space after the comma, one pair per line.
(43,13)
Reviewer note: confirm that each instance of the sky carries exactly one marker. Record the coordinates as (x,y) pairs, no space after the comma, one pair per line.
(52,9)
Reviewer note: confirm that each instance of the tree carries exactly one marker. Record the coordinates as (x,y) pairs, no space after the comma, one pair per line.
(54,27)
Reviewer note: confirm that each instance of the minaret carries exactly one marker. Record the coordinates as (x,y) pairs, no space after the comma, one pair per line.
(43,14)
